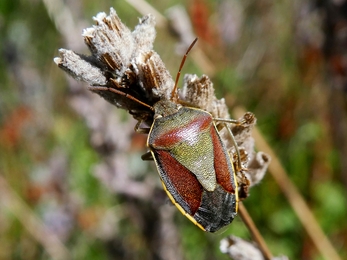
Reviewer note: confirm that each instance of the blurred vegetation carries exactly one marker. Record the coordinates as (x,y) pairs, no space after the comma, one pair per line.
(283,60)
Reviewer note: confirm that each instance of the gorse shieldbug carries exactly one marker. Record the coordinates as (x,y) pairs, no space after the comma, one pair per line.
(194,165)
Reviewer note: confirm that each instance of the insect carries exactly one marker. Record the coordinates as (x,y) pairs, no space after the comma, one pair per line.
(193,163)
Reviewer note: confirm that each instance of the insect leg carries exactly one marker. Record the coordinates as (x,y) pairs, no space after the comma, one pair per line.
(247,119)
(236,147)
(141,130)
(147,157)
(98,88)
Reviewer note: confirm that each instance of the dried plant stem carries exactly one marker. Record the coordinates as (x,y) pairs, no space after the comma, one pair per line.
(295,199)
(257,237)
(14,204)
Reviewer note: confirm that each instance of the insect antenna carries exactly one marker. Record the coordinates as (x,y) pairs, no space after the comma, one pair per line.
(174,96)
(121,93)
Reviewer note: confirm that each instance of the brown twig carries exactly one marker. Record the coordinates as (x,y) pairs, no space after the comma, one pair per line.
(295,199)
(257,237)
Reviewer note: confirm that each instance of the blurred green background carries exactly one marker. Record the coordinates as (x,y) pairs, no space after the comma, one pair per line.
(286,61)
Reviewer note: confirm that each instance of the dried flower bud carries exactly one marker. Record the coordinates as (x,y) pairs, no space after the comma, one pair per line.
(126,63)
(80,68)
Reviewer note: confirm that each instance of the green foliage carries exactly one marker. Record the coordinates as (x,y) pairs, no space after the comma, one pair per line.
(331,203)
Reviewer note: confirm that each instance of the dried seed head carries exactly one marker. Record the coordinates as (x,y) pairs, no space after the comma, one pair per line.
(126,62)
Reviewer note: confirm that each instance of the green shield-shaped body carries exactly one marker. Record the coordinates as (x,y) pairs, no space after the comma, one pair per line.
(195,167)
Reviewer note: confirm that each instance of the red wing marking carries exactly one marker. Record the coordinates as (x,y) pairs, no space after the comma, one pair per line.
(224,169)
(181,180)
(170,137)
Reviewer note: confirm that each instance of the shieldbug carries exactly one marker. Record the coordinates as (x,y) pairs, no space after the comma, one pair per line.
(194,165)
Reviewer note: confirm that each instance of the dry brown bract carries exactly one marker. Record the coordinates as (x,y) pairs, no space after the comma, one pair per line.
(125,61)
